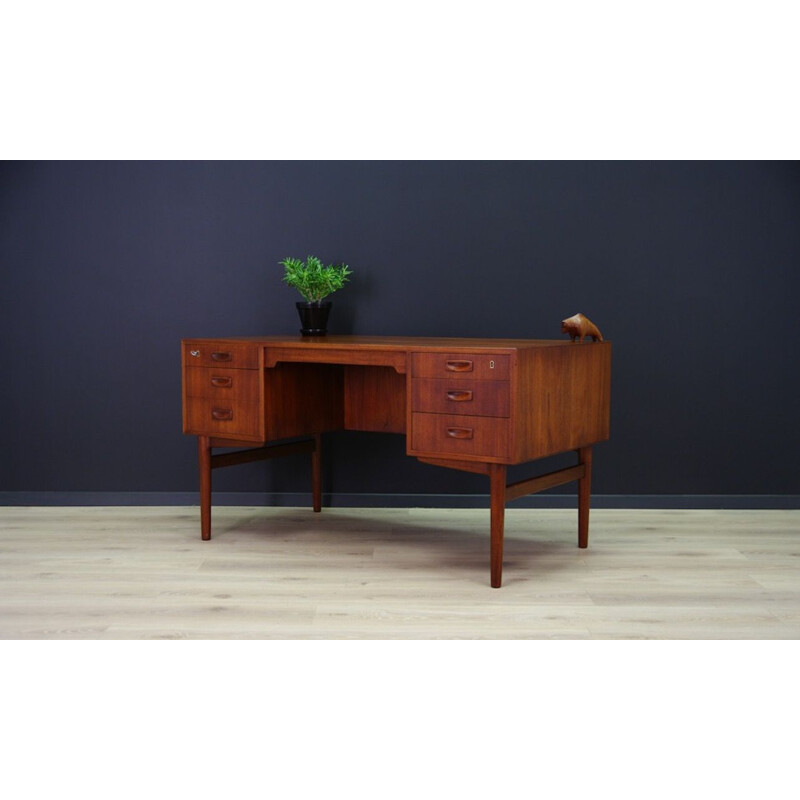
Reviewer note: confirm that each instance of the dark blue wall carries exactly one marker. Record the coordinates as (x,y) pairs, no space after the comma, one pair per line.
(691,269)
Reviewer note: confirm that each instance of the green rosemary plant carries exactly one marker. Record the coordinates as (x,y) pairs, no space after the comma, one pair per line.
(312,279)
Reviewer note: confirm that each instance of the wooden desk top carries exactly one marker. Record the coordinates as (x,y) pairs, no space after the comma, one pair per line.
(403,343)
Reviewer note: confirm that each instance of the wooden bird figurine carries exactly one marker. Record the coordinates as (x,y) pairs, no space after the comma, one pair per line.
(580,327)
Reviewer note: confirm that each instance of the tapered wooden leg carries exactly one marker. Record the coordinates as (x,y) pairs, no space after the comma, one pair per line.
(204,462)
(497,488)
(584,495)
(316,473)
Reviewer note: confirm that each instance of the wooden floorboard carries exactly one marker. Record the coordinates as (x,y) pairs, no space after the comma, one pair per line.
(283,573)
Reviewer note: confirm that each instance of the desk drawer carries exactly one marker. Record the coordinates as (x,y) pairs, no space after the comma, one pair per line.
(222,402)
(233,355)
(451,434)
(461,366)
(445,396)
(227,385)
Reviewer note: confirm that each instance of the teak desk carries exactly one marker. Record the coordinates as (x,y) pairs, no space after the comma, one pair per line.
(470,404)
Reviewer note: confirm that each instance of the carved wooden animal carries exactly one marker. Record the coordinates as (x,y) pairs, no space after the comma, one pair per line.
(580,327)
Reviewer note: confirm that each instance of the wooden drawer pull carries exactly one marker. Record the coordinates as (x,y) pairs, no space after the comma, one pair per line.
(222,356)
(460,396)
(222,413)
(221,383)
(459,366)
(459,433)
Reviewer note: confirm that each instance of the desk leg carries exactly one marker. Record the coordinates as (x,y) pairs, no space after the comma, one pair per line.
(584,495)
(204,462)
(316,473)
(497,484)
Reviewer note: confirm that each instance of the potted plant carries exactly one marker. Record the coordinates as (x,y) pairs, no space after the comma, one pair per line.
(315,282)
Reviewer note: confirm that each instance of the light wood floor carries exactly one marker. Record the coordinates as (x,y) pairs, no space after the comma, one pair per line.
(278,573)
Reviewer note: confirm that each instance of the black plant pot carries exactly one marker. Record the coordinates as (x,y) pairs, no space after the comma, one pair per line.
(314,317)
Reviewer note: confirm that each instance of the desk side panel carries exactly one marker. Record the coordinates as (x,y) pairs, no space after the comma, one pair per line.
(303,399)
(562,399)
(374,399)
